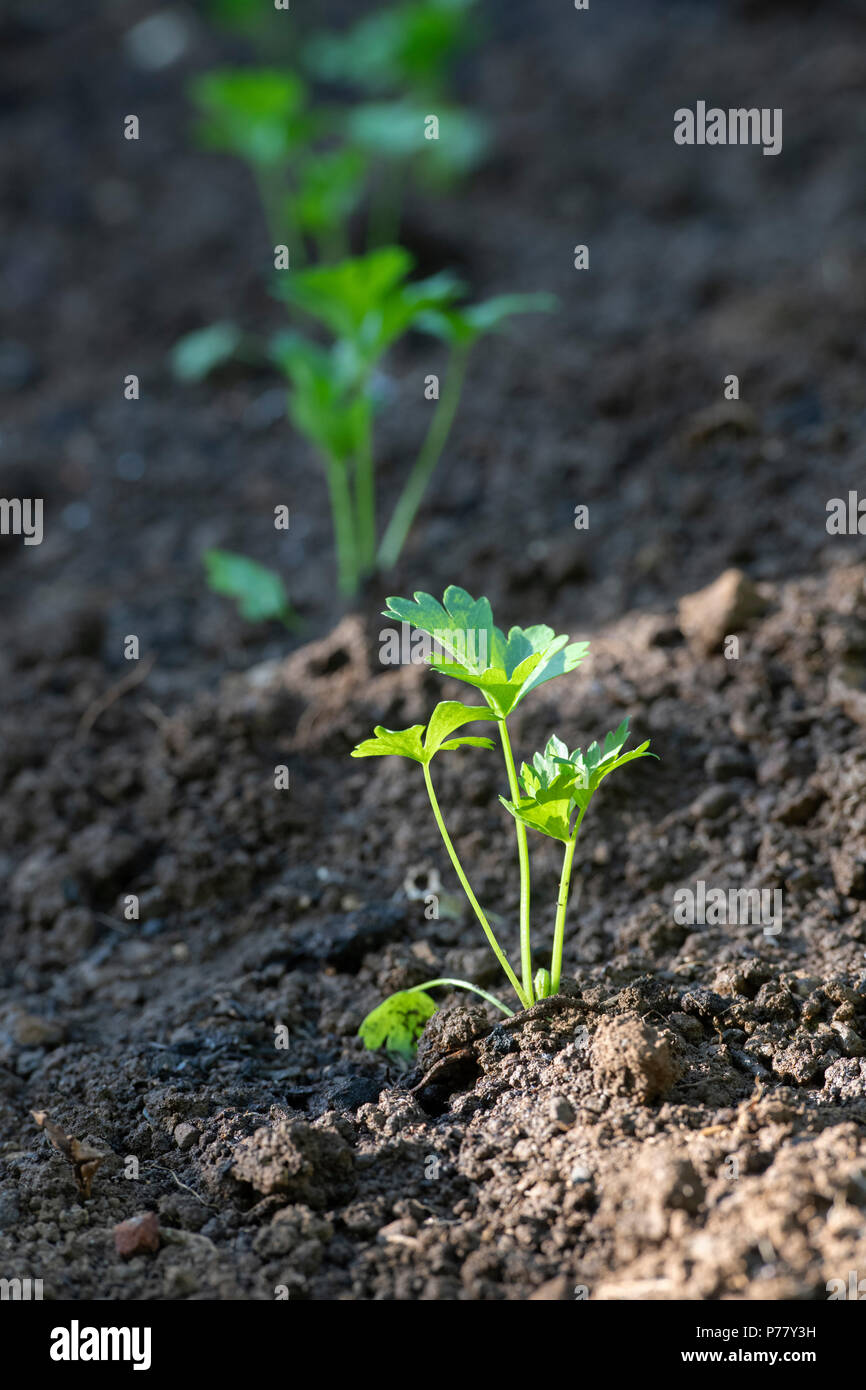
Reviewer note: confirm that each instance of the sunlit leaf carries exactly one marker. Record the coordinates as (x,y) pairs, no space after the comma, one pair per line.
(398,1022)
(448,716)
(557,784)
(466,324)
(401,743)
(503,668)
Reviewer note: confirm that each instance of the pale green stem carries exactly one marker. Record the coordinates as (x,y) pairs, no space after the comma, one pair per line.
(333,245)
(365,503)
(386,207)
(435,440)
(278,218)
(344,534)
(523,860)
(464,984)
(476,906)
(561,905)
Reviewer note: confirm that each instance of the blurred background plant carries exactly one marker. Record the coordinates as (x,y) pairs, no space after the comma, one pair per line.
(333,140)
(365,305)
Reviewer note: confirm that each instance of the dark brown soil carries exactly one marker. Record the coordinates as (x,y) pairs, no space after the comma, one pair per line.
(687,1120)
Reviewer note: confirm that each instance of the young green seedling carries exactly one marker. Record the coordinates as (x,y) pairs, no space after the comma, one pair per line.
(551,795)
(262,117)
(311,177)
(366,304)
(309,182)
(410,47)
(558,789)
(402,59)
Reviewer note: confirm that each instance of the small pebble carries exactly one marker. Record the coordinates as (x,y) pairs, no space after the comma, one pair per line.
(138,1235)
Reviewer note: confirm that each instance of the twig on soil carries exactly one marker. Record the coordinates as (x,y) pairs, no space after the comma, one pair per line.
(140,671)
(444,1067)
(185,1185)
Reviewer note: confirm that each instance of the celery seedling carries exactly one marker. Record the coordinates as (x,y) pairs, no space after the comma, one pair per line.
(402,58)
(262,116)
(558,789)
(366,304)
(550,795)
(309,182)
(409,47)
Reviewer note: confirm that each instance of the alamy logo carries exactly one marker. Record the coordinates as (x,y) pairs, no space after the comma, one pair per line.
(22,516)
(405,648)
(77,1343)
(739,125)
(20,1290)
(855,1290)
(714,907)
(846,518)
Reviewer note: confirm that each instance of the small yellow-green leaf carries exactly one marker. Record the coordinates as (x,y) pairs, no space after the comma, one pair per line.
(401,743)
(448,716)
(397,1023)
(551,818)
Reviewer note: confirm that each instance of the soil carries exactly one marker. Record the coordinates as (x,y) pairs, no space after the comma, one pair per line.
(686,1120)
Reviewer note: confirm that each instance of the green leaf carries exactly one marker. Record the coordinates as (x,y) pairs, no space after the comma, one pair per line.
(259,592)
(588,770)
(557,660)
(551,818)
(407,743)
(467,741)
(396,130)
(501,691)
(557,784)
(462,625)
(197,354)
(606,768)
(448,716)
(326,401)
(401,743)
(258,114)
(503,669)
(367,301)
(465,325)
(330,186)
(342,296)
(405,45)
(398,1022)
(551,806)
